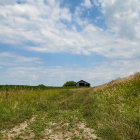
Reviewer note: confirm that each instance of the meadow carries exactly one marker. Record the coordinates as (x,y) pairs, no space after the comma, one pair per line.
(109,112)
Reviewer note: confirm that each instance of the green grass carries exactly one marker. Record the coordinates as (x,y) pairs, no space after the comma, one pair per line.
(17,106)
(26,87)
(112,111)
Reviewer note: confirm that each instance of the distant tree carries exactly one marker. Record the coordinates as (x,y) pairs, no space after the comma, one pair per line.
(69,84)
(41,86)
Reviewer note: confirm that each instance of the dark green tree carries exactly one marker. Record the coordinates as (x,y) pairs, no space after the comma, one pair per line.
(69,84)
(41,86)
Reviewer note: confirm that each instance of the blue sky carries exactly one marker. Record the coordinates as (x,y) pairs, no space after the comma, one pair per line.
(53,41)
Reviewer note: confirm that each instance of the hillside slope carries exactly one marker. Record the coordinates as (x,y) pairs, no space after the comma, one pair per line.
(110,111)
(113,109)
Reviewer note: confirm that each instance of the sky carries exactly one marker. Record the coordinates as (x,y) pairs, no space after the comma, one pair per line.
(53,41)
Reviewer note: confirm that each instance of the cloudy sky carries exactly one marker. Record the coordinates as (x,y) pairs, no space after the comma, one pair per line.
(53,41)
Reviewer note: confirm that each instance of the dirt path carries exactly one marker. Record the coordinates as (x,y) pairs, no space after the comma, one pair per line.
(17,130)
(64,131)
(66,126)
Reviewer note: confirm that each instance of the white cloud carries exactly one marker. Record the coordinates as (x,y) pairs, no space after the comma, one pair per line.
(3,2)
(42,24)
(87,4)
(58,75)
(123,17)
(13,59)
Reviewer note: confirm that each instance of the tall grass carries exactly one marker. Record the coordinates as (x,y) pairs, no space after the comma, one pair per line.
(112,110)
(16,106)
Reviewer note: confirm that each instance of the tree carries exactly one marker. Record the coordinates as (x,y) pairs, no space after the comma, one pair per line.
(41,86)
(69,84)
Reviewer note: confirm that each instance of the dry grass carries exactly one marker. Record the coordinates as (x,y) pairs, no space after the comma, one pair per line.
(111,110)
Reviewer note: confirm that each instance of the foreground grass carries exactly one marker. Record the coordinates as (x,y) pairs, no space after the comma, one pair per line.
(111,110)
(17,106)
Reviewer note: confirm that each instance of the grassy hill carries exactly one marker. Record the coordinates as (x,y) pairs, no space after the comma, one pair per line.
(110,111)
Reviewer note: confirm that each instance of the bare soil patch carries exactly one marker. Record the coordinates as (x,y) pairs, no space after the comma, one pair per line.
(66,131)
(17,130)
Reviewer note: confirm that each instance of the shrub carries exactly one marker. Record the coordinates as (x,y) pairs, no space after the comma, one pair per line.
(69,84)
(41,86)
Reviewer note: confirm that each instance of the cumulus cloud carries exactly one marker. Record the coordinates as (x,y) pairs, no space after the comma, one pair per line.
(57,75)
(123,17)
(48,27)
(87,4)
(51,28)
(4,2)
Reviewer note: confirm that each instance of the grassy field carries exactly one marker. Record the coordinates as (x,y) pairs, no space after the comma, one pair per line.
(109,112)
(26,87)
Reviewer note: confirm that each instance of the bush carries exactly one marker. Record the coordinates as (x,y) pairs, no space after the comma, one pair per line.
(41,86)
(69,84)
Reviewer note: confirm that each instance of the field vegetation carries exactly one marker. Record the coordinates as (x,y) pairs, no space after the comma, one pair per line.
(109,112)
